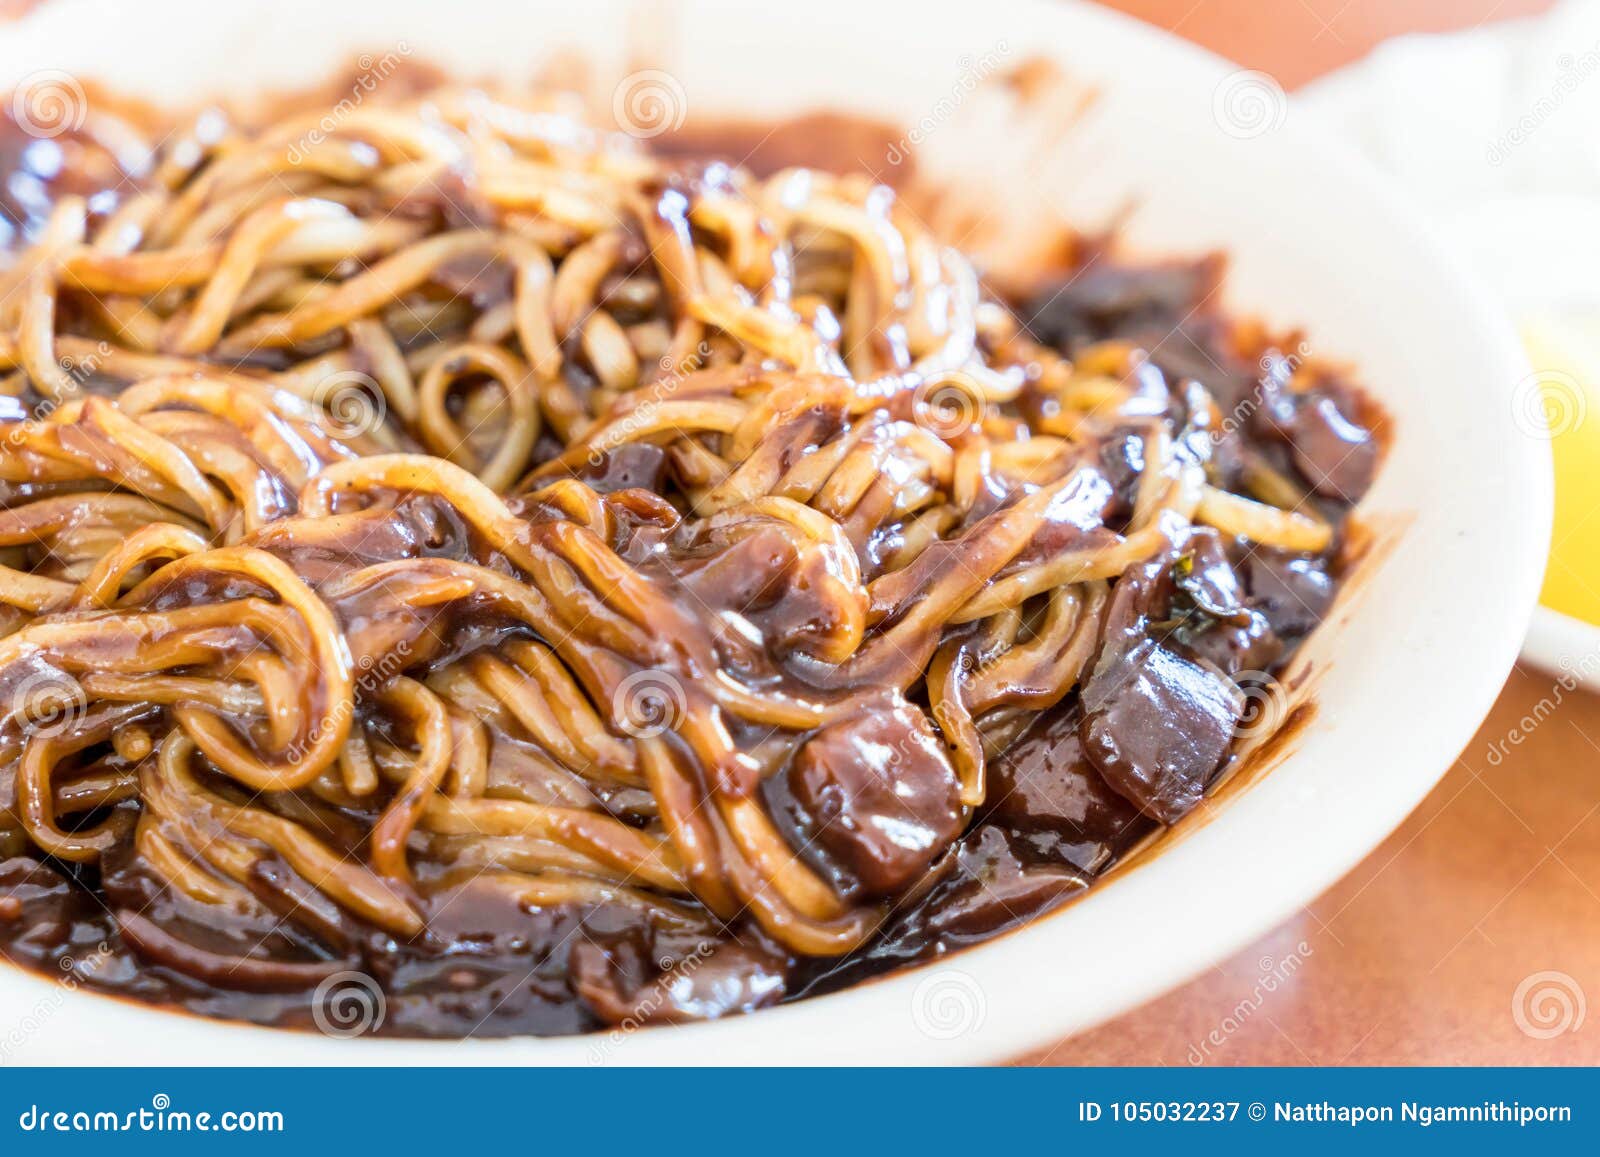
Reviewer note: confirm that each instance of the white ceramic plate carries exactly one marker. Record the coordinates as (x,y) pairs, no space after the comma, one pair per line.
(1214,160)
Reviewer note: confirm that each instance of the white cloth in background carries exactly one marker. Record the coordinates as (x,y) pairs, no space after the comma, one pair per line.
(1496,131)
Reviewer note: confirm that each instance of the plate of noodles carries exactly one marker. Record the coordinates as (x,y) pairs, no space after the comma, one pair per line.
(563,535)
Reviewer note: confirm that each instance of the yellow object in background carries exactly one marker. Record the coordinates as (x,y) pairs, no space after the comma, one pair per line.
(1566,386)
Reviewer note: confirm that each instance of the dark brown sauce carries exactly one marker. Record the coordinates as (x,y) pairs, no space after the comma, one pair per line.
(1079,786)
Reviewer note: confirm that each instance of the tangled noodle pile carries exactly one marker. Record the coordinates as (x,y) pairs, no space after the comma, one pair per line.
(568,586)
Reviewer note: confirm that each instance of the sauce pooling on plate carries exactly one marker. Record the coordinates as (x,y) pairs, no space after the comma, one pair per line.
(549,585)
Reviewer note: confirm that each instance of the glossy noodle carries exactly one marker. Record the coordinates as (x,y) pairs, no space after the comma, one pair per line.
(569,586)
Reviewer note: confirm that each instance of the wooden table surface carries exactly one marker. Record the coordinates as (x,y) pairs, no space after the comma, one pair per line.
(1472,934)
